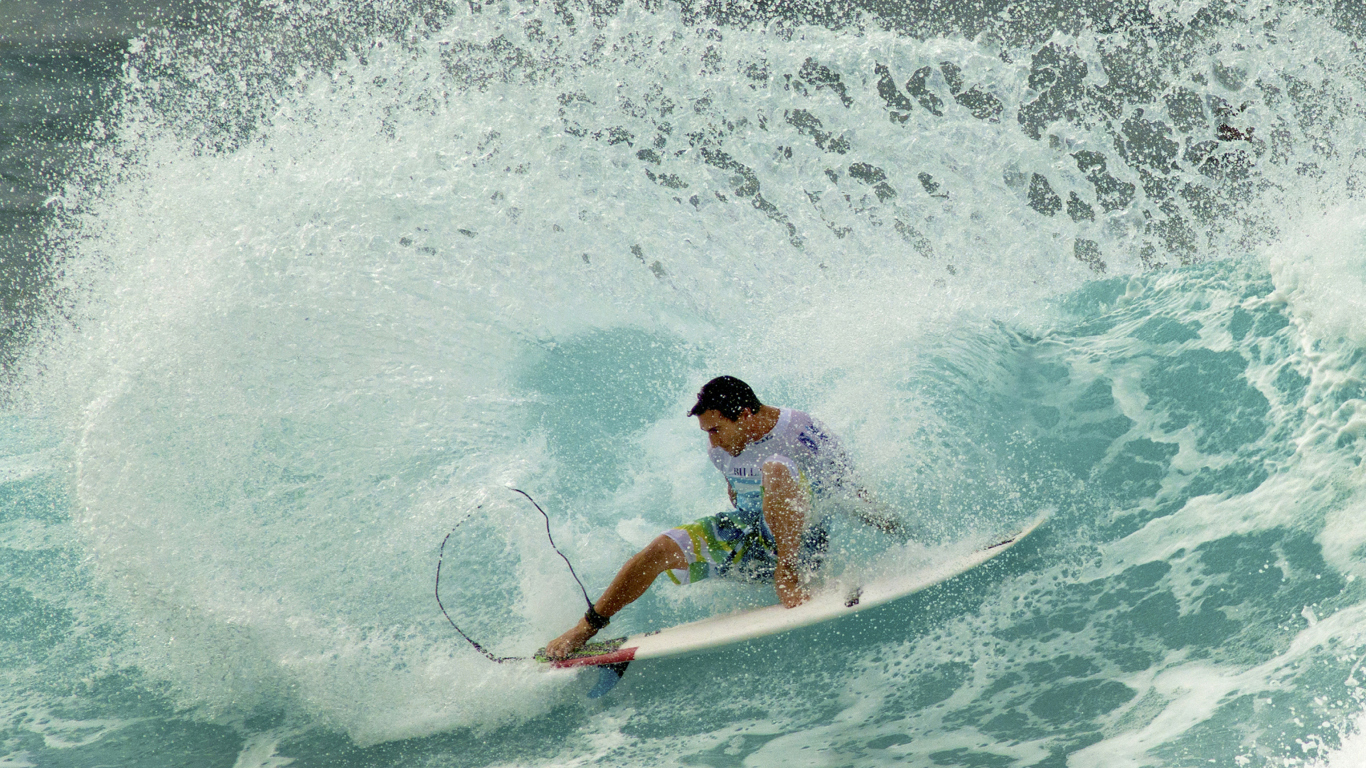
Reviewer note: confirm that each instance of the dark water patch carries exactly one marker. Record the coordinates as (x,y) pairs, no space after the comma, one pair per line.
(125,691)
(891,740)
(755,672)
(1096,297)
(1165,330)
(1058,700)
(1083,700)
(1138,621)
(43,498)
(730,754)
(1042,198)
(112,719)
(1065,665)
(1097,397)
(593,390)
(1138,470)
(50,99)
(1208,389)
(1047,626)
(1083,448)
(1273,724)
(51,95)
(154,744)
(29,626)
(1238,573)
(33,619)
(36,24)
(1234,479)
(968,758)
(935,685)
(917,87)
(1240,323)
(1270,577)
(1136,618)
(45,566)
(1065,747)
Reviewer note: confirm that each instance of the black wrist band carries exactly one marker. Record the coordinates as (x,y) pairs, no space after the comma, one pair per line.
(596,620)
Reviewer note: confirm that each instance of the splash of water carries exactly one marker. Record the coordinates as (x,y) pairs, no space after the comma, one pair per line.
(315,308)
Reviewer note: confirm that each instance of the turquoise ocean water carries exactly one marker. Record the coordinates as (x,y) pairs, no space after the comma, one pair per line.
(314,282)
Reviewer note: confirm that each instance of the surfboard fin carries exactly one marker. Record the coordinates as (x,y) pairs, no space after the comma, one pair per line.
(608,677)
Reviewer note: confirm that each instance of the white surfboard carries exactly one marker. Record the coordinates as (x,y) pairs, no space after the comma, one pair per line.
(718,631)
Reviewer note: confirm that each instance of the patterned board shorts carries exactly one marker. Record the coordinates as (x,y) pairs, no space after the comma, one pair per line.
(735,545)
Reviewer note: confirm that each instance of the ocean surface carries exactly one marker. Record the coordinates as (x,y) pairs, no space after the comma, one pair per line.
(292,290)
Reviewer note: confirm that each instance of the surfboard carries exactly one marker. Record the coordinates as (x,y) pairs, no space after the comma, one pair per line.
(728,629)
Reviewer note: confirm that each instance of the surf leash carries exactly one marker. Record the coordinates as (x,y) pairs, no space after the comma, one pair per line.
(441,556)
(586,598)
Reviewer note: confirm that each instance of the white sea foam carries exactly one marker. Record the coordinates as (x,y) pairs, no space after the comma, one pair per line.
(293,365)
(1320,270)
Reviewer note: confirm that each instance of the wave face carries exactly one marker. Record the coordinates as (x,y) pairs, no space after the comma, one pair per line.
(334,277)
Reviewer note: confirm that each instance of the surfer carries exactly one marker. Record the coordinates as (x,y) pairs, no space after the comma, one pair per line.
(778,462)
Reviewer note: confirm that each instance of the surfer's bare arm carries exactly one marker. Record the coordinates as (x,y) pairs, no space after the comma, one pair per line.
(785,513)
(731,491)
(630,583)
(873,514)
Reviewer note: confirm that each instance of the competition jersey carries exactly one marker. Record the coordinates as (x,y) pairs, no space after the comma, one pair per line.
(799,442)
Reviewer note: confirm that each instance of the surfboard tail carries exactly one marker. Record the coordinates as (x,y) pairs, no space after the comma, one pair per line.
(618,656)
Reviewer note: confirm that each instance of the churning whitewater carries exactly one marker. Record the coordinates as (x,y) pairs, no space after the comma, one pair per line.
(331,279)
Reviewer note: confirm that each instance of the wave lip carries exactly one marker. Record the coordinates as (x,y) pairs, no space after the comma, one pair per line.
(313,306)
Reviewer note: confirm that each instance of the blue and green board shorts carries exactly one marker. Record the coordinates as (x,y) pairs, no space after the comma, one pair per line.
(738,545)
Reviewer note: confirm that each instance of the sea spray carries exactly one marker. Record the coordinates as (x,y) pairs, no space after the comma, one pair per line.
(328,289)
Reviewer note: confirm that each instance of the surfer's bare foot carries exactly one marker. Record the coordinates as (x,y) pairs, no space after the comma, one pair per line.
(570,641)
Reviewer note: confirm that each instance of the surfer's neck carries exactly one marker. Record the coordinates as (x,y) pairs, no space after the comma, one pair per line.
(756,425)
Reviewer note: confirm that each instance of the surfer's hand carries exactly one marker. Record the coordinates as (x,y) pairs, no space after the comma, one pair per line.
(570,641)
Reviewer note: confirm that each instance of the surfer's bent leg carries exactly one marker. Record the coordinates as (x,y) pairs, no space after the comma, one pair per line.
(630,583)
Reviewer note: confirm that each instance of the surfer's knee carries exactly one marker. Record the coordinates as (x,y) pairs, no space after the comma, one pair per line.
(663,553)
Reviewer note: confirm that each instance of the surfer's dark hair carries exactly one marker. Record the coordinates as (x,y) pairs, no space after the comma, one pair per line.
(727,395)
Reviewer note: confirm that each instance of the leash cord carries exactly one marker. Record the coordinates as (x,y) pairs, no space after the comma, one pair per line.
(441,556)
(586,598)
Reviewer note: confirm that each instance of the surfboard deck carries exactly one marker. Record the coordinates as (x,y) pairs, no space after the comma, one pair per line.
(737,627)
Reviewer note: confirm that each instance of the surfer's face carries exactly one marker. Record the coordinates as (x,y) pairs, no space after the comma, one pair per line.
(723,433)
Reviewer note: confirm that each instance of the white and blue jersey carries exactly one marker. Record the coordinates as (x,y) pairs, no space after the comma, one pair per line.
(798,442)
(739,543)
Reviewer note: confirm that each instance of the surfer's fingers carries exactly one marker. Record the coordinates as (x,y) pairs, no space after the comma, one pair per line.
(570,641)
